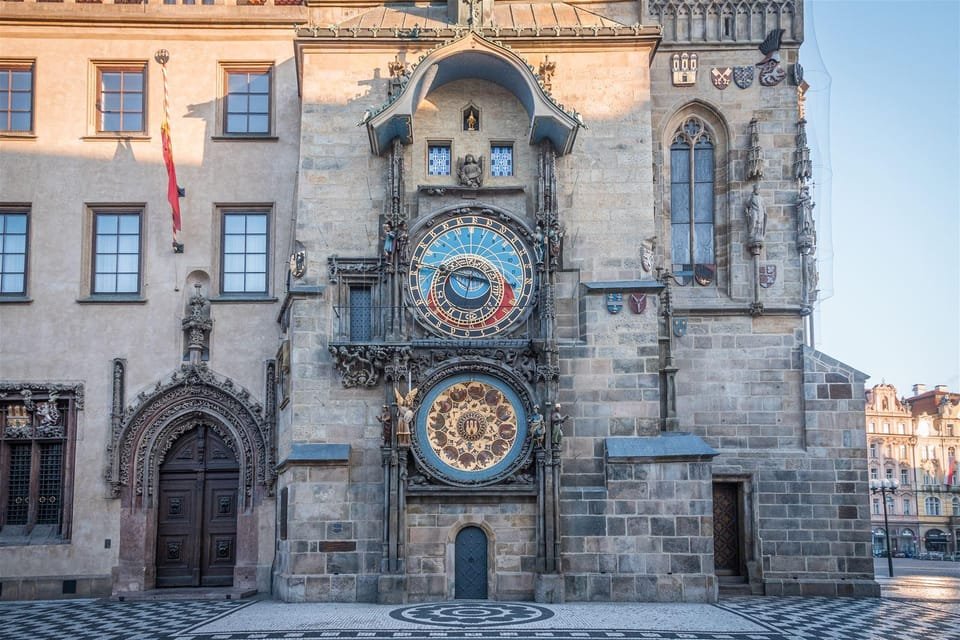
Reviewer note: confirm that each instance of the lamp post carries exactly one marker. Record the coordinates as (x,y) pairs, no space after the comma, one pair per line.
(883,487)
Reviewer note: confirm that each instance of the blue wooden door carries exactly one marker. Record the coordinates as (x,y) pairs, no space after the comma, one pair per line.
(470,563)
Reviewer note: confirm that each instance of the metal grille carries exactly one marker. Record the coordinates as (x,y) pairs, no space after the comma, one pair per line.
(501,160)
(19,486)
(361,314)
(51,484)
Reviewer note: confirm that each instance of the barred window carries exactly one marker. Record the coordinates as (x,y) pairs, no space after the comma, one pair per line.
(35,464)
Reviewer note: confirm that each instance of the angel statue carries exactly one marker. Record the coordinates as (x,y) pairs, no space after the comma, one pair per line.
(470,171)
(405,415)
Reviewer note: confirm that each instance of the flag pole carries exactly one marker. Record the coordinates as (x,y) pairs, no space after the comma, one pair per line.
(174,191)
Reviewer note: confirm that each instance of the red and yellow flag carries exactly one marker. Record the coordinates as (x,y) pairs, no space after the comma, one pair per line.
(173,190)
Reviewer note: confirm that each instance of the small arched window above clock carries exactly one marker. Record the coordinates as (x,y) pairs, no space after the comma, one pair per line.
(470,117)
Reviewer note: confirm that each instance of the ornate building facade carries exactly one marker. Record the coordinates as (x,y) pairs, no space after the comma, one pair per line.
(915,442)
(474,299)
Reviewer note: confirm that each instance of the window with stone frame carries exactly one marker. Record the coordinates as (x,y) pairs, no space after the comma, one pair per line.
(439,159)
(245,255)
(501,159)
(692,200)
(932,506)
(360,313)
(121,98)
(117,251)
(876,506)
(904,477)
(16,97)
(247,99)
(906,506)
(13,251)
(37,424)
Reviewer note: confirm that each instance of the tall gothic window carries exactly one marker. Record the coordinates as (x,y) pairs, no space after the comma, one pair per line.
(691,199)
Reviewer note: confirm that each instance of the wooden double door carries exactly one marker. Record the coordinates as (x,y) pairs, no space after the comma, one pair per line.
(197,512)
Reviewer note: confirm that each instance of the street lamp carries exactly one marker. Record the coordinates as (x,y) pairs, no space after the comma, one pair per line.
(883,487)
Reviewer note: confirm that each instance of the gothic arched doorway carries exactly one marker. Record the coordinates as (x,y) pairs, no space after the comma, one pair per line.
(470,564)
(197,512)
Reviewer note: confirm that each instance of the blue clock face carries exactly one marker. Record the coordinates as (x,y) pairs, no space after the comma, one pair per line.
(471,277)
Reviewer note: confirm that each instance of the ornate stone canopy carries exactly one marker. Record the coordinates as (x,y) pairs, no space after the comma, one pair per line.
(473,56)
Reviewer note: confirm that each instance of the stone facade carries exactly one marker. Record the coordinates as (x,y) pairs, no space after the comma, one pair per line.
(603,389)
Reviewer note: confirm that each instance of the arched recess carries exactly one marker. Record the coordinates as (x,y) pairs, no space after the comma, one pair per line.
(716,127)
(451,551)
(191,396)
(473,56)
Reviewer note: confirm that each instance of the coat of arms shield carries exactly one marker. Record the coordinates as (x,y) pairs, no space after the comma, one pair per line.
(614,303)
(768,275)
(721,77)
(638,302)
(743,76)
(679,327)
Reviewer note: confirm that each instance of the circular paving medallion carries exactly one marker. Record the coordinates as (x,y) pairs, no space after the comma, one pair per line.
(471,614)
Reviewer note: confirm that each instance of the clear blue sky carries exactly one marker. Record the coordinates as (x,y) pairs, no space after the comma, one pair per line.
(885,100)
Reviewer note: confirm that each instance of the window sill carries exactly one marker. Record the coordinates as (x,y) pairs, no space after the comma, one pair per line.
(244,138)
(133,137)
(112,299)
(234,299)
(15,299)
(18,135)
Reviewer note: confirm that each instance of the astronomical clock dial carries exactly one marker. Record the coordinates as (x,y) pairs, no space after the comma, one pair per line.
(471,428)
(471,277)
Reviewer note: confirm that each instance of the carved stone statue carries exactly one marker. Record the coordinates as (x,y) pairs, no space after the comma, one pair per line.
(386,423)
(470,171)
(756,218)
(389,235)
(405,415)
(538,432)
(556,426)
(402,243)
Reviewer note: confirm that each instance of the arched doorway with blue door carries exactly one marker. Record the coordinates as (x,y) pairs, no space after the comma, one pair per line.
(470,564)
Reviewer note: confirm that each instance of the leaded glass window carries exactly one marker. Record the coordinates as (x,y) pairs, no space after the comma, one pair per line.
(438,160)
(501,160)
(692,197)
(361,314)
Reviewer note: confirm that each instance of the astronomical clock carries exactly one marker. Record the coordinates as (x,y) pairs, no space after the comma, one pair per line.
(471,280)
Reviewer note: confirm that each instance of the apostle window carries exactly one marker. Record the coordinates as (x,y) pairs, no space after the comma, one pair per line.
(120,100)
(36,426)
(248,98)
(13,252)
(692,201)
(116,252)
(16,97)
(245,252)
(438,159)
(501,160)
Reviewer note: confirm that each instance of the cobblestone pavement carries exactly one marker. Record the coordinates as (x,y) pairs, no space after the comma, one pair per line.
(744,618)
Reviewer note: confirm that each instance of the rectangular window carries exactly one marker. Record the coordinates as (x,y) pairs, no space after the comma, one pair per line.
(16,97)
(116,251)
(501,160)
(438,160)
(906,507)
(120,99)
(876,507)
(874,474)
(888,473)
(247,98)
(361,314)
(35,471)
(904,477)
(244,252)
(13,252)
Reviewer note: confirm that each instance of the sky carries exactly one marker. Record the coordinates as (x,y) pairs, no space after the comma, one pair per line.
(884,112)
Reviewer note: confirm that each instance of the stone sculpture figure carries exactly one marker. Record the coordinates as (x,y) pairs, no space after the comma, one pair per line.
(405,414)
(538,431)
(470,171)
(556,426)
(756,218)
(386,423)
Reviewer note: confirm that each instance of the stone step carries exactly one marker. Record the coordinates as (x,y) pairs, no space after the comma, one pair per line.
(186,593)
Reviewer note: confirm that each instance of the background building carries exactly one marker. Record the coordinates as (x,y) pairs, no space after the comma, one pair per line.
(915,441)
(476,299)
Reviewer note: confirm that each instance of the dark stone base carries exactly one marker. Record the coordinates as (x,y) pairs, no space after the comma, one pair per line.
(829,588)
(549,588)
(392,589)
